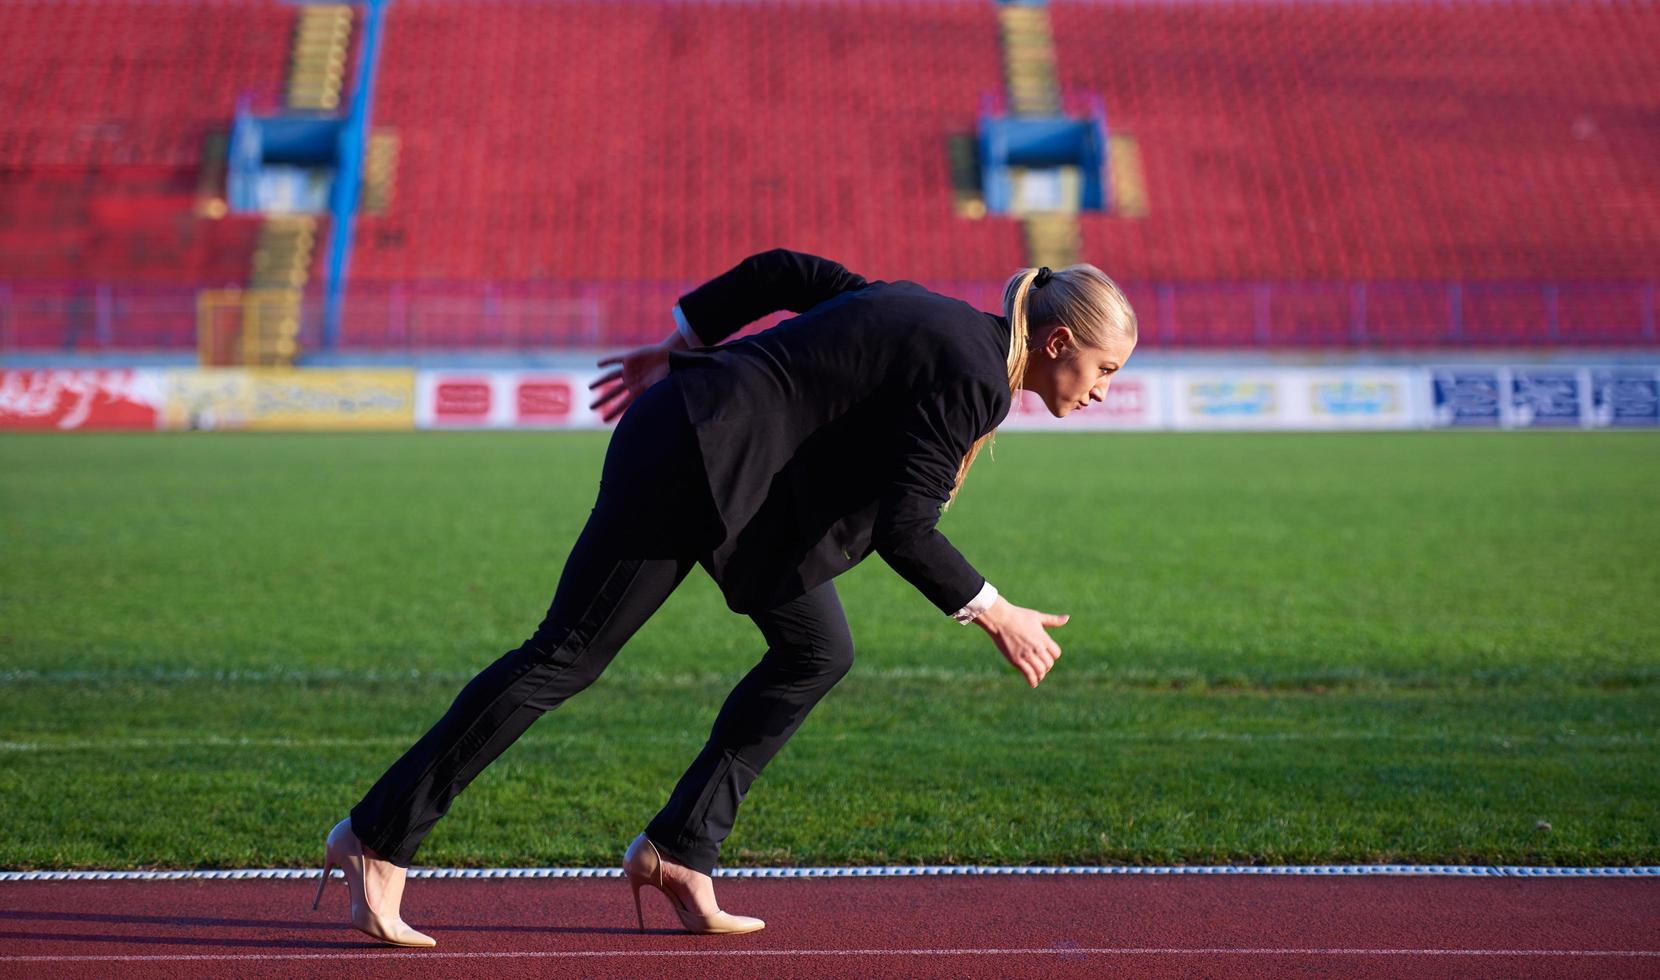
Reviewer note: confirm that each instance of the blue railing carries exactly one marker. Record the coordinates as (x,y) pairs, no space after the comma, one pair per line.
(105,317)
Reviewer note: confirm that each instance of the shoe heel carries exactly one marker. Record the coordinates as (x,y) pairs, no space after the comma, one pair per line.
(639,915)
(323,883)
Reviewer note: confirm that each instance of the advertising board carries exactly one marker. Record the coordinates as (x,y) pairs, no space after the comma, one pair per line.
(1546,398)
(61,400)
(505,400)
(1153,397)
(1472,397)
(295,400)
(1225,400)
(1353,399)
(1625,397)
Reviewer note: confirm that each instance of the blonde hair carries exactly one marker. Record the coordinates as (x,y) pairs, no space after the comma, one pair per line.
(1079,297)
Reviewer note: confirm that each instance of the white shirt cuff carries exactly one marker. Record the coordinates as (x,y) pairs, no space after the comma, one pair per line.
(685,329)
(977,605)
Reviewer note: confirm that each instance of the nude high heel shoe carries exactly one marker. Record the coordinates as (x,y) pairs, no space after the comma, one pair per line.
(644,866)
(344,851)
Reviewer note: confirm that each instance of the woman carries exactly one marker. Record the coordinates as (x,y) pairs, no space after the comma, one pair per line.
(777,462)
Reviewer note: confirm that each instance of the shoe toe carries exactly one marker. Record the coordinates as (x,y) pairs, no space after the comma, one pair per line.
(744,923)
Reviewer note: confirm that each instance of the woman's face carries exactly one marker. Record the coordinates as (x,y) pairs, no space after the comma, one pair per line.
(1067,376)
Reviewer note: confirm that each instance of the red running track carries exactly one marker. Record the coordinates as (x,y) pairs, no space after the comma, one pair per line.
(980,926)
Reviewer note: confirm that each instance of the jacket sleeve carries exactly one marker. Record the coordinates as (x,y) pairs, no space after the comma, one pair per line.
(763,283)
(930,445)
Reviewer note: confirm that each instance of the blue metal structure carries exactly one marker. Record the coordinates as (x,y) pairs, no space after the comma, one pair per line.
(348,182)
(1043,142)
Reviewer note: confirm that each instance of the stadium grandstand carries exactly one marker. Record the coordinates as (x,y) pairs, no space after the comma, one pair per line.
(545,174)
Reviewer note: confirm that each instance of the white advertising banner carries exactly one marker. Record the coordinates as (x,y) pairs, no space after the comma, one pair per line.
(1297,398)
(1379,398)
(504,400)
(1243,399)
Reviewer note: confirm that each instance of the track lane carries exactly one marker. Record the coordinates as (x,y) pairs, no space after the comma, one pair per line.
(985,925)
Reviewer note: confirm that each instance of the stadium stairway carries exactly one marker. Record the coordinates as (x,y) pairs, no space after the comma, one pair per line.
(1127,179)
(380,171)
(282,259)
(1052,238)
(1029,59)
(322,42)
(282,262)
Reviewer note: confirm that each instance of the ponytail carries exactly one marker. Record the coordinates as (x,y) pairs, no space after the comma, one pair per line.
(1014,310)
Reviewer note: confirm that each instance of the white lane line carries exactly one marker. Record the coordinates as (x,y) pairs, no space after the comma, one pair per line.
(312,675)
(140,744)
(196,741)
(1151,680)
(412,956)
(893,871)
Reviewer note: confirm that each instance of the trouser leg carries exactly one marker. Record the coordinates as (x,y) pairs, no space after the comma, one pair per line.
(809,650)
(601,602)
(639,543)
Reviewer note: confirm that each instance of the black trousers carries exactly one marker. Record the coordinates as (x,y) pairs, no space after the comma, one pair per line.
(653,518)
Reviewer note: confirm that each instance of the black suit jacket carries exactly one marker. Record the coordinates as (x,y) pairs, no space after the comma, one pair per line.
(837,432)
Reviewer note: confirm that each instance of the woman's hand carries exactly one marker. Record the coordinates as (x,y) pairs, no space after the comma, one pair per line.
(1022,635)
(640,369)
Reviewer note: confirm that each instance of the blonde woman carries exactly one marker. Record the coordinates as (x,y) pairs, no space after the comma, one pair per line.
(776,462)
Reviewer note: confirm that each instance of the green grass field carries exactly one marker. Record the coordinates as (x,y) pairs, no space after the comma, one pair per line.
(1426,647)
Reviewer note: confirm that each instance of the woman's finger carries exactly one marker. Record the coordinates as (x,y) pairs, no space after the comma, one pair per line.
(613,359)
(607,396)
(606,378)
(1053,619)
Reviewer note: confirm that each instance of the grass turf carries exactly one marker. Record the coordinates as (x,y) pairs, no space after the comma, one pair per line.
(1431,647)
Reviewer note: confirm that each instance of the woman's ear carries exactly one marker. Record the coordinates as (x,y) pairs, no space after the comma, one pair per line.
(1059,342)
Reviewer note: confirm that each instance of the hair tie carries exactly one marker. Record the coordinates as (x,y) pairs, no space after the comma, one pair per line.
(1043,278)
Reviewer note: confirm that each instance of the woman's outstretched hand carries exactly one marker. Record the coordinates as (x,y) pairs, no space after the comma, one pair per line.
(1022,634)
(639,369)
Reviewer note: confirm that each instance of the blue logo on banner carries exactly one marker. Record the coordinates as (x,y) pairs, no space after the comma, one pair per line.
(1357,398)
(1545,398)
(1625,398)
(1466,397)
(1249,398)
